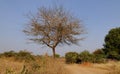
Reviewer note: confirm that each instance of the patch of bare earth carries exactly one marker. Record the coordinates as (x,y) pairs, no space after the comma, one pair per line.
(86,69)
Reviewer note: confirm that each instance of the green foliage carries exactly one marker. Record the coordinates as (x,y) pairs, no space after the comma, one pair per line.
(85,56)
(71,57)
(19,56)
(98,51)
(112,43)
(113,55)
(57,55)
(24,55)
(99,58)
(8,54)
(112,39)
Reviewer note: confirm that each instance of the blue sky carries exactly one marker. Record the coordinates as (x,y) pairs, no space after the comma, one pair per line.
(98,17)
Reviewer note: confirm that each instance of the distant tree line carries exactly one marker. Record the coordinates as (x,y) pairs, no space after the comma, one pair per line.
(111,50)
(85,56)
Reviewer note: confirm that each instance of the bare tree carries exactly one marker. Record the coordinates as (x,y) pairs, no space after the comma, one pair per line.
(54,26)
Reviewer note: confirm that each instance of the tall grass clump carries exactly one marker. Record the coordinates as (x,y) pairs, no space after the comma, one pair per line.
(41,65)
(47,65)
(52,66)
(115,69)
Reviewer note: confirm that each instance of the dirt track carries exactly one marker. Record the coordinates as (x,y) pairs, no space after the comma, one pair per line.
(81,69)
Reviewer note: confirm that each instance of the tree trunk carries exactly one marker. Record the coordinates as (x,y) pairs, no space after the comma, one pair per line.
(53,49)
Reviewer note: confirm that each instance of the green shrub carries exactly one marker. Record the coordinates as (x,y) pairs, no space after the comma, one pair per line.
(24,55)
(20,56)
(57,55)
(99,58)
(71,57)
(9,54)
(113,55)
(85,56)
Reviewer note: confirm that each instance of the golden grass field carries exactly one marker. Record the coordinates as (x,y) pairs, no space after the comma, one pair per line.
(49,65)
(40,66)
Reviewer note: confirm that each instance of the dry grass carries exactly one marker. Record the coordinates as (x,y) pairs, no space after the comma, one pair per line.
(9,65)
(44,65)
(112,67)
(48,65)
(115,69)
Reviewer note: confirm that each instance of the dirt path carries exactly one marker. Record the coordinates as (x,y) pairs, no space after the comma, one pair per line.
(80,69)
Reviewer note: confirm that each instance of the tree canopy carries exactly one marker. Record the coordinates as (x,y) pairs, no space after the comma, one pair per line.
(112,42)
(54,26)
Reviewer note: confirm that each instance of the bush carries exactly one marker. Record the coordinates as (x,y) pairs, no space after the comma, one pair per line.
(9,54)
(19,56)
(24,55)
(72,57)
(85,56)
(113,55)
(99,58)
(57,55)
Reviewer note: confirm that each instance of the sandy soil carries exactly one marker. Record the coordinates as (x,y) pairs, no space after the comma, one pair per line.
(86,69)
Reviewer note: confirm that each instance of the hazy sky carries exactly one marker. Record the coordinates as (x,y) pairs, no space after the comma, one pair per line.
(98,17)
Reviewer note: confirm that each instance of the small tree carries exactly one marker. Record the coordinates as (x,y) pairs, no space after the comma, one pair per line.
(54,26)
